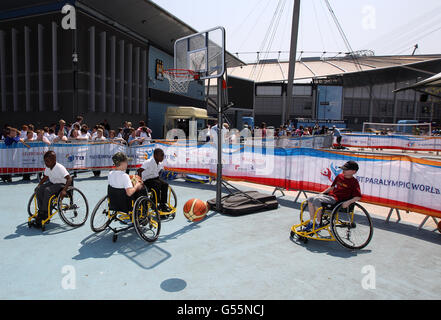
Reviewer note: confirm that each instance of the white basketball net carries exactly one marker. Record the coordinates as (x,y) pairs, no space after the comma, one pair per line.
(179,79)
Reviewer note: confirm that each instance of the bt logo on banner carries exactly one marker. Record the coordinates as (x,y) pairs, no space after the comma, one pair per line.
(72,158)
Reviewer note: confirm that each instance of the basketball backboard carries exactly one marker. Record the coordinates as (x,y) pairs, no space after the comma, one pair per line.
(203,53)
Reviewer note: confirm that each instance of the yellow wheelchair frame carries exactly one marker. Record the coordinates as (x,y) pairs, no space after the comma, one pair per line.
(165,215)
(54,208)
(128,218)
(329,222)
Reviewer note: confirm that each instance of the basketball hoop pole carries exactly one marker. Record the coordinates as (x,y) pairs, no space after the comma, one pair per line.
(219,145)
(204,53)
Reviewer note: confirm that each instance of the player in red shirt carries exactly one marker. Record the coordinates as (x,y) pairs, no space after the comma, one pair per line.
(345,188)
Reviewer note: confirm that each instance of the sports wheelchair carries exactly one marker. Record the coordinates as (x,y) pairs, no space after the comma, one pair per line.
(73,208)
(140,214)
(172,202)
(351,227)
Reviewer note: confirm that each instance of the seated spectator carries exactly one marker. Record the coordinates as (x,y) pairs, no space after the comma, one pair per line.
(146,133)
(100,135)
(46,131)
(13,137)
(29,136)
(126,131)
(75,127)
(24,131)
(141,125)
(41,137)
(51,135)
(61,126)
(93,133)
(133,139)
(113,137)
(32,128)
(60,137)
(84,134)
(67,128)
(74,135)
(5,131)
(120,133)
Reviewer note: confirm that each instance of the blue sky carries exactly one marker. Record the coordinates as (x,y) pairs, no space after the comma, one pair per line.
(386,26)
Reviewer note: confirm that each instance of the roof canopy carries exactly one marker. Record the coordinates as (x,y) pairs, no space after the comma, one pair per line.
(308,69)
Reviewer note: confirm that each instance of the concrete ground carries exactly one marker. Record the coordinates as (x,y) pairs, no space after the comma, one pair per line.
(221,257)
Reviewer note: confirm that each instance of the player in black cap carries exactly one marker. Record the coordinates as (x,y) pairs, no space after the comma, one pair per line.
(345,188)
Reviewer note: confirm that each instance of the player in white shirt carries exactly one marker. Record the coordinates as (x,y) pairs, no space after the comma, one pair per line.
(119,179)
(55,179)
(149,172)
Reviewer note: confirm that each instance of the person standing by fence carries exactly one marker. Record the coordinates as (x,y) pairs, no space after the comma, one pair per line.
(336,133)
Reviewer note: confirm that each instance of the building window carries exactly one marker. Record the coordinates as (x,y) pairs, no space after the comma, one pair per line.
(302,91)
(269,90)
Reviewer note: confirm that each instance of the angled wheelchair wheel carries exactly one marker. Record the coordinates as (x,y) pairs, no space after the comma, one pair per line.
(172,199)
(73,208)
(146,219)
(352,227)
(101,216)
(32,205)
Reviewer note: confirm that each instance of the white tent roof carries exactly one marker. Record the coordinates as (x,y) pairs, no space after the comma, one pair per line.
(310,68)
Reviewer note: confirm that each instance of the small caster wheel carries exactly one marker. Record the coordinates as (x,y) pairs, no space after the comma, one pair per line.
(29,224)
(43,227)
(114,238)
(292,234)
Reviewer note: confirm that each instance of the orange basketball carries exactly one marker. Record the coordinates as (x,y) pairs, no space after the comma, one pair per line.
(195,210)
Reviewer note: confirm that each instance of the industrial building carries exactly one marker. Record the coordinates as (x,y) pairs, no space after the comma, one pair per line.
(108,67)
(355,89)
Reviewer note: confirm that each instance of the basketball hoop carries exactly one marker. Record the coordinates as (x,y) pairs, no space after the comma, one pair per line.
(180,79)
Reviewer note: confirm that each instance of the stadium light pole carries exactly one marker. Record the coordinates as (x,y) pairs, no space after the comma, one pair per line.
(292,61)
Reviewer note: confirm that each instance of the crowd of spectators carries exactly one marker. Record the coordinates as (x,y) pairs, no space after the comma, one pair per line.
(77,131)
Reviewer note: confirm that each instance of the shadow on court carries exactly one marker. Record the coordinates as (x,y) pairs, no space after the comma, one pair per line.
(101,246)
(184,230)
(410,230)
(333,248)
(53,228)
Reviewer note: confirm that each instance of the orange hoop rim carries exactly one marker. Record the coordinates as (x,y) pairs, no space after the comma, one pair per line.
(182,73)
